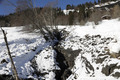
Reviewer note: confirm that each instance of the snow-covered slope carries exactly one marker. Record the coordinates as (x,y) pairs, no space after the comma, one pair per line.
(24,47)
(91,52)
(99,57)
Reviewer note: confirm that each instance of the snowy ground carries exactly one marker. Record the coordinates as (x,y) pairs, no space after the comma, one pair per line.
(106,28)
(97,42)
(26,46)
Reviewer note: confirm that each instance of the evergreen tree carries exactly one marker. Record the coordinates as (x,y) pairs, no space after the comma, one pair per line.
(81,12)
(95,2)
(91,4)
(59,12)
(88,13)
(68,7)
(99,1)
(72,7)
(71,18)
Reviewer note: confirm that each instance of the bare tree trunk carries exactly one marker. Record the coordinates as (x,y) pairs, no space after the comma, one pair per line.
(12,63)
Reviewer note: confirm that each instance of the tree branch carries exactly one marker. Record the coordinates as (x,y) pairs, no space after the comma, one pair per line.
(9,53)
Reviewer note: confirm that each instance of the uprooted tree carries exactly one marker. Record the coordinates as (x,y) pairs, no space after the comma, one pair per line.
(44,20)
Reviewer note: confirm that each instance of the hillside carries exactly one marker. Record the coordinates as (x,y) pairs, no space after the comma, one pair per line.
(79,43)
(87,52)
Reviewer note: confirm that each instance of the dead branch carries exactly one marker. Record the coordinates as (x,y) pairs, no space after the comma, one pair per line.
(9,53)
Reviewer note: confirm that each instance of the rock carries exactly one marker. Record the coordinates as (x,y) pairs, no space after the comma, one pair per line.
(69,55)
(117,74)
(89,67)
(6,77)
(100,60)
(108,69)
(66,74)
(4,61)
(62,64)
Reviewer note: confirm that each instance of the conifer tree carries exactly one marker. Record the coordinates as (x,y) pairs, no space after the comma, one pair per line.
(95,2)
(71,18)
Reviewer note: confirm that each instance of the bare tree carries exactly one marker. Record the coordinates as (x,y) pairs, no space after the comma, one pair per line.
(9,53)
(22,5)
(45,20)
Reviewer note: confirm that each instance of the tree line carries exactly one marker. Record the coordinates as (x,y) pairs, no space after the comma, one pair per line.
(81,14)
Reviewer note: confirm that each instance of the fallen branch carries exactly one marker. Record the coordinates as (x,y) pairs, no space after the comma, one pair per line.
(9,53)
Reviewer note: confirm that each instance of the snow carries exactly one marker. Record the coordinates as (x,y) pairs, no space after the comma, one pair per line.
(66,12)
(106,28)
(46,57)
(114,47)
(23,47)
(107,3)
(91,39)
(109,32)
(46,62)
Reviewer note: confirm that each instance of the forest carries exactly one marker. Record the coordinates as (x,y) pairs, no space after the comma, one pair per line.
(77,15)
